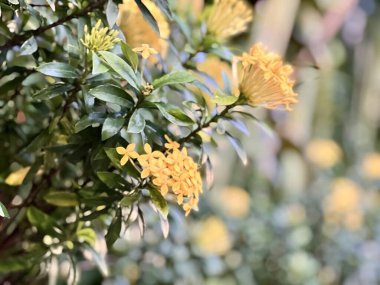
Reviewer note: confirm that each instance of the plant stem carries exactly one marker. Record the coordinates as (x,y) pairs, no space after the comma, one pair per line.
(18,39)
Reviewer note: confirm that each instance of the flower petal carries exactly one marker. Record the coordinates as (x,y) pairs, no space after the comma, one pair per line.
(120,150)
(124,160)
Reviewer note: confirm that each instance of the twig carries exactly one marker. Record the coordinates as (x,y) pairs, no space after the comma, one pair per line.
(20,38)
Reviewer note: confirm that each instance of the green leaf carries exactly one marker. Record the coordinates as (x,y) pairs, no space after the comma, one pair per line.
(41,220)
(21,262)
(122,68)
(236,144)
(58,69)
(112,94)
(136,123)
(159,201)
(113,156)
(87,235)
(86,121)
(164,7)
(3,211)
(175,77)
(148,16)
(61,198)
(224,99)
(114,229)
(97,66)
(130,55)
(113,180)
(111,13)
(111,127)
(29,47)
(174,114)
(128,200)
(52,91)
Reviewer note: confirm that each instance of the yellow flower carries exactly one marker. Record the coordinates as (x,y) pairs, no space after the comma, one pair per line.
(145,50)
(234,201)
(137,30)
(211,236)
(265,80)
(99,39)
(128,152)
(323,153)
(342,205)
(171,144)
(371,166)
(228,18)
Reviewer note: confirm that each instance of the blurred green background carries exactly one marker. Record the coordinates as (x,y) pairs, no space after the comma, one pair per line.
(305,210)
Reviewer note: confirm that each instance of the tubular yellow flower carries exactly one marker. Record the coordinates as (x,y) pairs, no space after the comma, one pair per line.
(173,171)
(99,39)
(228,18)
(145,50)
(266,80)
(128,152)
(137,30)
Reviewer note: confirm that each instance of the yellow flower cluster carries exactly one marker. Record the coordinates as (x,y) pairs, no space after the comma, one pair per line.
(323,153)
(99,39)
(228,18)
(265,79)
(173,170)
(371,166)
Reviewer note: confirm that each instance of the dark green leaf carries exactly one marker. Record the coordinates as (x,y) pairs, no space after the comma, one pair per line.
(128,200)
(86,121)
(130,55)
(52,91)
(148,16)
(61,198)
(136,123)
(174,114)
(175,77)
(20,263)
(113,232)
(3,211)
(41,220)
(159,201)
(122,68)
(113,156)
(112,94)
(111,127)
(113,180)
(58,69)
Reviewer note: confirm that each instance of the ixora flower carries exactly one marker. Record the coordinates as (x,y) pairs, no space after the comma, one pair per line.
(173,170)
(99,39)
(128,152)
(228,18)
(145,50)
(265,79)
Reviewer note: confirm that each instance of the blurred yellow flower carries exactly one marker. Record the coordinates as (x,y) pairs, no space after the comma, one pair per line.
(145,50)
(371,166)
(128,152)
(17,177)
(211,236)
(323,153)
(137,30)
(343,204)
(214,67)
(234,201)
(228,18)
(99,39)
(265,80)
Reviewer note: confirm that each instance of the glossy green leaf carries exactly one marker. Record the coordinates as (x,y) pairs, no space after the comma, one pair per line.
(128,200)
(52,91)
(174,114)
(175,77)
(3,211)
(111,127)
(90,119)
(122,68)
(113,180)
(159,201)
(61,198)
(224,99)
(112,94)
(114,229)
(58,69)
(136,123)
(97,65)
(130,55)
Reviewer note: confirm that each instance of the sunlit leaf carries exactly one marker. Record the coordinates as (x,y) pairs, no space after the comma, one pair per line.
(111,127)
(175,77)
(61,198)
(58,69)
